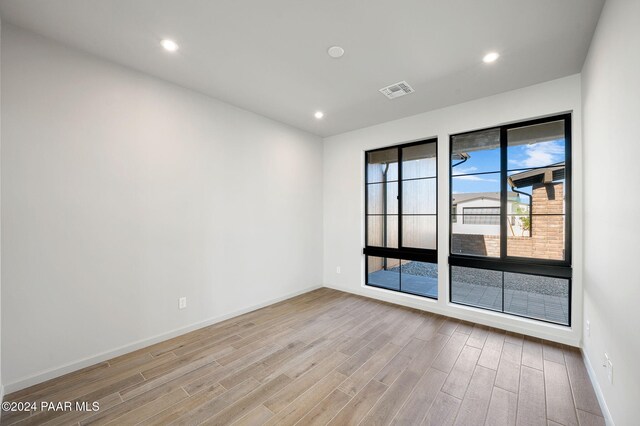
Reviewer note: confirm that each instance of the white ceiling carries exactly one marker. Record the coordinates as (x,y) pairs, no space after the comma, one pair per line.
(269,56)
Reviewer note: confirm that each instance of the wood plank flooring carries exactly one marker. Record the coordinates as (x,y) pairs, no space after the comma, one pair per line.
(328,357)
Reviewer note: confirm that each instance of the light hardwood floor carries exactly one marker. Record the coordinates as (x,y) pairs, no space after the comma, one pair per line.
(328,357)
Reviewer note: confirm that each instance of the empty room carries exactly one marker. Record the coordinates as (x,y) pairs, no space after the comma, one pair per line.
(285,212)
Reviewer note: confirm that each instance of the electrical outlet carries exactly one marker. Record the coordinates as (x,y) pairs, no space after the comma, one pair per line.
(609,366)
(588,328)
(338,270)
(182,303)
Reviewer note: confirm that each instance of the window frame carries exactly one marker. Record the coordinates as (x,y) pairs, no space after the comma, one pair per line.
(524,265)
(401,253)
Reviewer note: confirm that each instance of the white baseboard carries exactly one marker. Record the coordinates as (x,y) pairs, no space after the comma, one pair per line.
(86,362)
(596,387)
(465,313)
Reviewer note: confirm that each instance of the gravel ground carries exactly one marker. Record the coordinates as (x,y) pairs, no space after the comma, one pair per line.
(522,282)
(529,283)
(419,269)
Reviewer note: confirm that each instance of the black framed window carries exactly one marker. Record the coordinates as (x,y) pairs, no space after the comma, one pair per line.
(401,188)
(510,228)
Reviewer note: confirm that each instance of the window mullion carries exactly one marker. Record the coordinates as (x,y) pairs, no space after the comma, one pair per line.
(399,199)
(503,193)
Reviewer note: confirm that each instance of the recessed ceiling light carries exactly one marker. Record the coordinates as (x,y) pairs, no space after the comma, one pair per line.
(319,114)
(335,52)
(169,45)
(490,57)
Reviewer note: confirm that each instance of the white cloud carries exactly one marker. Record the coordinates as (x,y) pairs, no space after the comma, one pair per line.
(464,170)
(541,154)
(476,178)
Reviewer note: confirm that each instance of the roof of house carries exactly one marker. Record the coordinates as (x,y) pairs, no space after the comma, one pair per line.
(549,174)
(482,140)
(462,198)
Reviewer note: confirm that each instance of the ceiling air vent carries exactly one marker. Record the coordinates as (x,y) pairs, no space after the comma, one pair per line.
(397,90)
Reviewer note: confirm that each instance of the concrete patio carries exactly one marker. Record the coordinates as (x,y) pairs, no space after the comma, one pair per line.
(531,304)
(415,284)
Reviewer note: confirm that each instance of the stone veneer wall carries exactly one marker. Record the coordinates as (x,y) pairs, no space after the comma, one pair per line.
(548,231)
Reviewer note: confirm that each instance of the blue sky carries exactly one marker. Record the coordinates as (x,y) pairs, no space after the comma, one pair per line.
(519,157)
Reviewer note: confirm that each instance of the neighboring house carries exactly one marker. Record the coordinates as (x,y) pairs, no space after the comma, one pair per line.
(479,213)
(476,226)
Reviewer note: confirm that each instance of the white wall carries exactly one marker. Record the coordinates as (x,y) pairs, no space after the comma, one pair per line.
(344,195)
(1,382)
(121,193)
(611,104)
